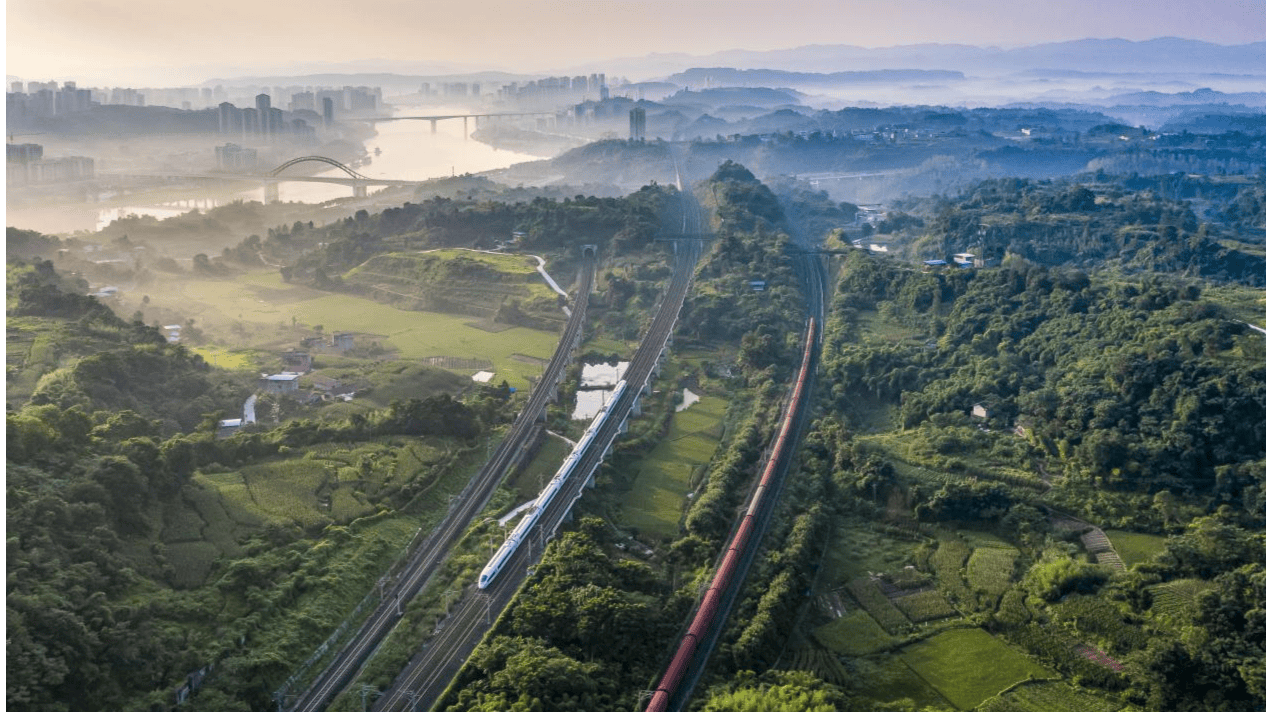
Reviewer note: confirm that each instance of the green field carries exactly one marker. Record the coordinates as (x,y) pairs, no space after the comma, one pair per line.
(262,298)
(857,548)
(854,633)
(925,606)
(1175,600)
(233,360)
(890,679)
(990,569)
(654,504)
(968,666)
(479,282)
(1135,548)
(532,478)
(1048,697)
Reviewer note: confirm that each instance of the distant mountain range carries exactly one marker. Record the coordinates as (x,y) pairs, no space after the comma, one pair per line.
(1166,55)
(837,63)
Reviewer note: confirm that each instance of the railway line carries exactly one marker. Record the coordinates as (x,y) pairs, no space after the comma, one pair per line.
(428,675)
(673,690)
(426,558)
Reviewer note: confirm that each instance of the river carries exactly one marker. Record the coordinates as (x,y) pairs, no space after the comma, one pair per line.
(404,150)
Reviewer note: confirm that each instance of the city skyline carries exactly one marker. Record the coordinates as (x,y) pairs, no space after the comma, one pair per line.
(153,43)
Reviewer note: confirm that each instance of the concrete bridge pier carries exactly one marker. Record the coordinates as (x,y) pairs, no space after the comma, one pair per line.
(272,192)
(466,126)
(433,124)
(360,190)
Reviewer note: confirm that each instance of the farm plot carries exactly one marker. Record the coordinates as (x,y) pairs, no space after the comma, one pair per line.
(990,570)
(968,666)
(1134,548)
(654,503)
(948,561)
(819,662)
(924,606)
(869,595)
(890,679)
(855,633)
(1175,600)
(1048,696)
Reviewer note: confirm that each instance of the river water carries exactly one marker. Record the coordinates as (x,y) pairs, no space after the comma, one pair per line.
(404,150)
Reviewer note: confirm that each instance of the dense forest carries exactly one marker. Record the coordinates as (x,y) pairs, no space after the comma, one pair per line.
(1090,225)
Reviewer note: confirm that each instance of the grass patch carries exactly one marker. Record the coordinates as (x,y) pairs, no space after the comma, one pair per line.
(532,478)
(948,560)
(875,328)
(1048,696)
(990,569)
(859,547)
(1175,600)
(968,666)
(410,334)
(654,504)
(228,359)
(855,633)
(1135,548)
(925,606)
(890,679)
(869,596)
(191,562)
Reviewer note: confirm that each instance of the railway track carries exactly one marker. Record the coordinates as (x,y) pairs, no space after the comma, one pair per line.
(426,558)
(672,692)
(432,670)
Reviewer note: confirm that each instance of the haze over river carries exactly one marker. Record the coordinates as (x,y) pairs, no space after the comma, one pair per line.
(408,151)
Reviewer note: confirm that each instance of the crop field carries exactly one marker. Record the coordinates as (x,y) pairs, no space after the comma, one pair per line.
(855,633)
(869,596)
(948,561)
(1046,696)
(890,679)
(968,666)
(819,662)
(654,504)
(990,569)
(1176,599)
(263,298)
(230,359)
(1100,619)
(1135,548)
(924,606)
(206,512)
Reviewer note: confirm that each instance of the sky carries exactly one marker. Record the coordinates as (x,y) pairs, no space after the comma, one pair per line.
(168,42)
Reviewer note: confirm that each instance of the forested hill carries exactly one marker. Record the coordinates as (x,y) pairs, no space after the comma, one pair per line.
(70,352)
(317,255)
(1132,386)
(1066,223)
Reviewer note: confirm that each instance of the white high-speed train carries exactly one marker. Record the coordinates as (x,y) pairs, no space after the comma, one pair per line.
(525,524)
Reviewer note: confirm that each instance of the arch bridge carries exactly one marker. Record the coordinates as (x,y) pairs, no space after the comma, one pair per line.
(360,182)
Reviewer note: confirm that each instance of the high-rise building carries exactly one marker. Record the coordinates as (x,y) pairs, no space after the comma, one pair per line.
(637,124)
(23,152)
(250,123)
(327,111)
(263,105)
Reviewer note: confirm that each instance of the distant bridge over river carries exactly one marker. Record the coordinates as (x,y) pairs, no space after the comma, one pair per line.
(435,119)
(359,183)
